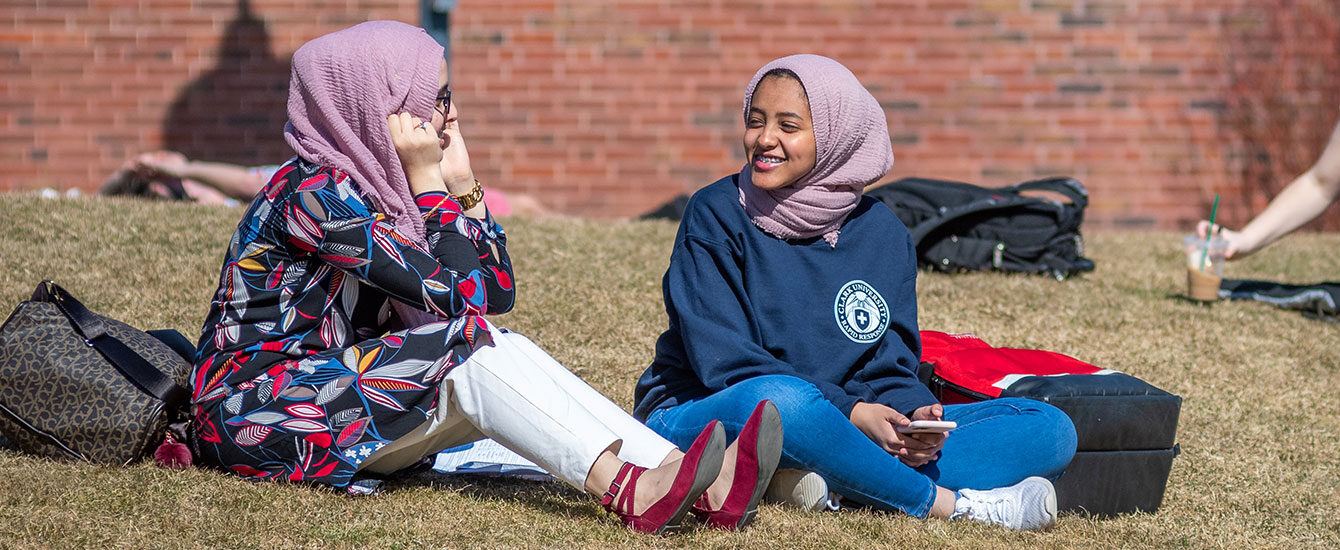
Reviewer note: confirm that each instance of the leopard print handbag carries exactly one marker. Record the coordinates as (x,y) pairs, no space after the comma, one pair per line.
(78,385)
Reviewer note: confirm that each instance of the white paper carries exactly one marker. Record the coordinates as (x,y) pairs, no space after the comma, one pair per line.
(487,457)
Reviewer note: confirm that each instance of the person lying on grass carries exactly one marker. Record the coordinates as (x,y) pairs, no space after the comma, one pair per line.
(377,225)
(169,175)
(786,284)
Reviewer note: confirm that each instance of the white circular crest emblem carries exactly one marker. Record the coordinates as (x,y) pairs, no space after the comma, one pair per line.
(861,312)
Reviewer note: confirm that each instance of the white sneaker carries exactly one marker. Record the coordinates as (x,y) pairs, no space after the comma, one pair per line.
(1028,505)
(799,488)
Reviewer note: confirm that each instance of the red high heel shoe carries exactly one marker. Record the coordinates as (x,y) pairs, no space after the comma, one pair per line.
(701,464)
(755,462)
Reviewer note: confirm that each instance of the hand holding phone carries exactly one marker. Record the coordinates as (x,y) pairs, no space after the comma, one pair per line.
(928,427)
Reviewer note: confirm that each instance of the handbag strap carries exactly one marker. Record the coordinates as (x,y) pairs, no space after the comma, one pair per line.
(148,379)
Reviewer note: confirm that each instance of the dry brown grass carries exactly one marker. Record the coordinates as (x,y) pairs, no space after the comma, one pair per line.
(1258,432)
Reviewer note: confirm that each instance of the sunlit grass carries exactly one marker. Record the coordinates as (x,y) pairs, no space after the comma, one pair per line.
(1258,431)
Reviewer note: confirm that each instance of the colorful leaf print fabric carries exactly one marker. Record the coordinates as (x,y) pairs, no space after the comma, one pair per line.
(297,376)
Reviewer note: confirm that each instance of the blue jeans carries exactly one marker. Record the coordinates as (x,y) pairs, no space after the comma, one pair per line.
(997,443)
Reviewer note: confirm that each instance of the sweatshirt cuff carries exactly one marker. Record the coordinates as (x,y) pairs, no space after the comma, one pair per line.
(436,202)
(441,212)
(911,406)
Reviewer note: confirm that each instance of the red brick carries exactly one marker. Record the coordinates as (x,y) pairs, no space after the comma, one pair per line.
(577,98)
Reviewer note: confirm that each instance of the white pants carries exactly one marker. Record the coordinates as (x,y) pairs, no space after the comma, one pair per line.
(516,394)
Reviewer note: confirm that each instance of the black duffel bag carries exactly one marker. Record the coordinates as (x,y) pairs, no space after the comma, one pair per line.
(963,227)
(77,385)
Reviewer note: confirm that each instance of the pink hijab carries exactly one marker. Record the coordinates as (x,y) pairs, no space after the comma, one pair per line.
(852,140)
(343,87)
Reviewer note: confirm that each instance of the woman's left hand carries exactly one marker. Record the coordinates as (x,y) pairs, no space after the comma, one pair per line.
(933,442)
(455,164)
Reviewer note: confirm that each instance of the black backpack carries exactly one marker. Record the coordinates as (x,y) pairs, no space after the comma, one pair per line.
(959,226)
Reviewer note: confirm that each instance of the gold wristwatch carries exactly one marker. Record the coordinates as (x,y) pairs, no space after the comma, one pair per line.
(469,200)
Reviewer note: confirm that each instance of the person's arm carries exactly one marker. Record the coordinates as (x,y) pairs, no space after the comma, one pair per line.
(1302,200)
(346,234)
(890,376)
(467,239)
(469,245)
(233,181)
(457,175)
(895,395)
(891,393)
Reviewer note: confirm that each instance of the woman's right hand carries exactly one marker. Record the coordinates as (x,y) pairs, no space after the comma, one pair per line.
(417,145)
(1236,247)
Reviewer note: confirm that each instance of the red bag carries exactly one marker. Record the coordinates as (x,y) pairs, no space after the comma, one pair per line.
(1126,427)
(966,369)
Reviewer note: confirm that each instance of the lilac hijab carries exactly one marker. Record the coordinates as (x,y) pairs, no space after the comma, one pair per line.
(852,146)
(343,87)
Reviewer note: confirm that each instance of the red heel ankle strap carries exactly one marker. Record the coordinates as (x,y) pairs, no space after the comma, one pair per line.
(607,500)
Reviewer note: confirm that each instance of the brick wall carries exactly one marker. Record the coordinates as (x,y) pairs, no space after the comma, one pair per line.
(610,108)
(84,84)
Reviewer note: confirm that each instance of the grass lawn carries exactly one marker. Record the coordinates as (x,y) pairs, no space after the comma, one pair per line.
(1259,436)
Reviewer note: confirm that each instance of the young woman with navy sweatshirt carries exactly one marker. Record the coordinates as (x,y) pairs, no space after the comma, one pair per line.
(786,284)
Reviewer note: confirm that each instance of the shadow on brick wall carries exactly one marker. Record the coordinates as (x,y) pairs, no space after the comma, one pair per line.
(236,111)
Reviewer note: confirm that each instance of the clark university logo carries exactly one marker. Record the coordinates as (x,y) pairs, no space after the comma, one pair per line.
(861,312)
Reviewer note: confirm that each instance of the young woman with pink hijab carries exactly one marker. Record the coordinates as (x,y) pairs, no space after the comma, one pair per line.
(786,284)
(349,336)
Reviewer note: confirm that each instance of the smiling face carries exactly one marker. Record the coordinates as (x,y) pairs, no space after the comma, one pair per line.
(779,135)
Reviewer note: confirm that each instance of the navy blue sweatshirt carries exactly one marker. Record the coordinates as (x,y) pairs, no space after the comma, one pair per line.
(743,303)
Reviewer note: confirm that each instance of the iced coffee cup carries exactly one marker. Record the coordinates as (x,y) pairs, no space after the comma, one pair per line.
(1204,267)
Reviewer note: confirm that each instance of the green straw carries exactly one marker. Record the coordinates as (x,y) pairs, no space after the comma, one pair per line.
(1205,254)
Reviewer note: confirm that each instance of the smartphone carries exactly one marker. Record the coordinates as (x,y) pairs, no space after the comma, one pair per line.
(928,427)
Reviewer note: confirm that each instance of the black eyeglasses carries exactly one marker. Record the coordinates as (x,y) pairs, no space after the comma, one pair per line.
(443,104)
